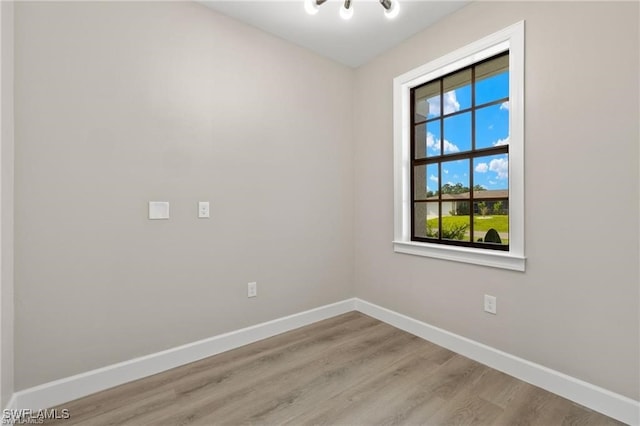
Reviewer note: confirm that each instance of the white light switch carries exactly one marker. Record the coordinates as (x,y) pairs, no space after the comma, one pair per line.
(158,210)
(203,209)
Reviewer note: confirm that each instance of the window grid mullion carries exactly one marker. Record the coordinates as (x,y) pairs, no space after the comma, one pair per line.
(440,162)
(412,101)
(462,111)
(473,150)
(484,152)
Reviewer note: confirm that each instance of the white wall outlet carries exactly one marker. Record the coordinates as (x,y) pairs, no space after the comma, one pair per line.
(203,209)
(252,289)
(490,304)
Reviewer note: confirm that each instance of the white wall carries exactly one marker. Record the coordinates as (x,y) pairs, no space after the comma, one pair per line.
(576,308)
(6,202)
(119,104)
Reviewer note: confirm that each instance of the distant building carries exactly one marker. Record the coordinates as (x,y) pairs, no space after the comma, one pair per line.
(458,204)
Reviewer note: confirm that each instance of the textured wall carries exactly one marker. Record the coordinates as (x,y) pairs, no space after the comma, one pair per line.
(576,307)
(119,104)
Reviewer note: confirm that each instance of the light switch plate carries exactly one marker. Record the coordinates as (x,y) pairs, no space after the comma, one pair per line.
(158,210)
(252,289)
(203,209)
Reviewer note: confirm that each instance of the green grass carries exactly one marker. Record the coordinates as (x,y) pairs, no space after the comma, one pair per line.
(498,222)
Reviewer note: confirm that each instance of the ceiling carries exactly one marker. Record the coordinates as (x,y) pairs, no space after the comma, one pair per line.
(352,42)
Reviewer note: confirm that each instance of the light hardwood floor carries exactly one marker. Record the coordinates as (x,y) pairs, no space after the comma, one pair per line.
(347,370)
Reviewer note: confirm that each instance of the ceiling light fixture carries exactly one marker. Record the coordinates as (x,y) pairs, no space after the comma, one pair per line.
(313,6)
(346,11)
(391,8)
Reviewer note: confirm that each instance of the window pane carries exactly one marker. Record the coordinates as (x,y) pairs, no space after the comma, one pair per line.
(419,182)
(455,180)
(491,221)
(457,133)
(420,139)
(426,219)
(425,182)
(427,101)
(492,80)
(457,91)
(455,227)
(492,126)
(455,200)
(427,139)
(460,208)
(433,181)
(491,173)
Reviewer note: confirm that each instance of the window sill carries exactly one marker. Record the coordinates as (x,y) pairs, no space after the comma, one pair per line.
(491,258)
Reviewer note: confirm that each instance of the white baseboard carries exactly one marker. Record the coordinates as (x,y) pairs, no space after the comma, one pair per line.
(64,390)
(598,399)
(57,392)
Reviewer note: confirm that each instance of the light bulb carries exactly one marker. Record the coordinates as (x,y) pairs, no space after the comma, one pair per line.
(346,13)
(311,7)
(393,11)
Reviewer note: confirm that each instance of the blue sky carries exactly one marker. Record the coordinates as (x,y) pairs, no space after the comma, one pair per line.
(492,129)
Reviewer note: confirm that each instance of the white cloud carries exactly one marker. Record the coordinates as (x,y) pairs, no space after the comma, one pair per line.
(434,178)
(434,144)
(500,142)
(431,141)
(449,147)
(505,105)
(493,182)
(482,168)
(446,172)
(451,104)
(500,166)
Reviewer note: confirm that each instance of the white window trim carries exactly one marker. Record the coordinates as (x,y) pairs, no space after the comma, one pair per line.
(512,39)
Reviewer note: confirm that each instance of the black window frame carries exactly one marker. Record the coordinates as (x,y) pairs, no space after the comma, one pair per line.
(442,158)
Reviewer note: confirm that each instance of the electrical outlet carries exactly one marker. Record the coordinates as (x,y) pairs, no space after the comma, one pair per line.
(252,289)
(490,304)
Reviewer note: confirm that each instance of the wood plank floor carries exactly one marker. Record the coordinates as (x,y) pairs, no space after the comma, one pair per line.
(347,370)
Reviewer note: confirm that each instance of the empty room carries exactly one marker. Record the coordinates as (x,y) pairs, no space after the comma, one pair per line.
(340,212)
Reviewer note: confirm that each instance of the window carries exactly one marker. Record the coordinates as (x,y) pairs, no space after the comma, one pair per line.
(459,141)
(458,154)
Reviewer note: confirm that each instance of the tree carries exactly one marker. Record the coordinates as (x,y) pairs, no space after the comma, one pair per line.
(497,207)
(482,207)
(458,188)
